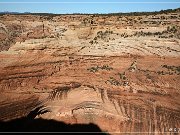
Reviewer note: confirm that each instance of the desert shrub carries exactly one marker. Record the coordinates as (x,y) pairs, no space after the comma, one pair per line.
(122,76)
(97,68)
(113,81)
(172,68)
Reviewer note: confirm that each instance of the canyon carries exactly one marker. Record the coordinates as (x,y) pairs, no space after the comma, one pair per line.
(118,71)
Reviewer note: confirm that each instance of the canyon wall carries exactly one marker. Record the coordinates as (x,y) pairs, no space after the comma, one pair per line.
(121,72)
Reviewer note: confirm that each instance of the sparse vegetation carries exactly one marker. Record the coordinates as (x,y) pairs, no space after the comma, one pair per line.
(113,81)
(105,36)
(133,66)
(122,76)
(122,81)
(93,42)
(174,69)
(170,32)
(125,35)
(97,68)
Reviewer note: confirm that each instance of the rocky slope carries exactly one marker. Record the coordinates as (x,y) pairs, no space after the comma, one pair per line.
(120,72)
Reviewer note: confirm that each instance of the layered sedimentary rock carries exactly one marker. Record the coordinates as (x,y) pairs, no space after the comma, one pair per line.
(120,72)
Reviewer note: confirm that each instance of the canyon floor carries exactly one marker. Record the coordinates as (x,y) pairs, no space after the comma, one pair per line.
(118,71)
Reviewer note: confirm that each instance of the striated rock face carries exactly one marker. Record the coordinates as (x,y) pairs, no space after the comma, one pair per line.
(119,72)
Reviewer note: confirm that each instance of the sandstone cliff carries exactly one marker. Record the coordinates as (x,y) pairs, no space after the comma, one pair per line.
(121,72)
